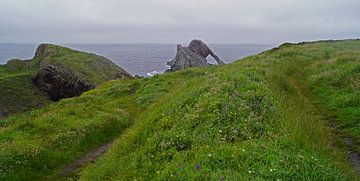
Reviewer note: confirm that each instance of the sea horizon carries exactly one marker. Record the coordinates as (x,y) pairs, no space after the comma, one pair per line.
(143,59)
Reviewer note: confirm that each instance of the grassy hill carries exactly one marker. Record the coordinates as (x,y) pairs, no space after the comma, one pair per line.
(19,94)
(287,114)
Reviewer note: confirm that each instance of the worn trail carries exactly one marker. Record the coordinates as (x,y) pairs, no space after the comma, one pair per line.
(330,119)
(89,157)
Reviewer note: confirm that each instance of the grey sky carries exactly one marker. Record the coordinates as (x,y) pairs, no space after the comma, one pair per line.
(171,21)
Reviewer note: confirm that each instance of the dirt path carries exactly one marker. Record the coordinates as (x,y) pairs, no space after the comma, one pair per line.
(330,119)
(72,168)
(91,156)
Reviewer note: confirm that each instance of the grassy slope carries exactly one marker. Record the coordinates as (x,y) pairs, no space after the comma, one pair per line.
(255,118)
(17,92)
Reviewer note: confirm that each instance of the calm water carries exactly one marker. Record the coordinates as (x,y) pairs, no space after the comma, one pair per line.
(139,59)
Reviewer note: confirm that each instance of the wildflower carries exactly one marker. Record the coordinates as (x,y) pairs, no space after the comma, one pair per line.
(271,170)
(220,131)
(243,150)
(198,167)
(250,171)
(209,155)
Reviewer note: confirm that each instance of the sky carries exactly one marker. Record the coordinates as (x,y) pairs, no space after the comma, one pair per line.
(177,21)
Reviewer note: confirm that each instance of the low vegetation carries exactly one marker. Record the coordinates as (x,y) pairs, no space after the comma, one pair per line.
(281,114)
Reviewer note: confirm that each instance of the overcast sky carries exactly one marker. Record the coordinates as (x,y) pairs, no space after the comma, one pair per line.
(173,21)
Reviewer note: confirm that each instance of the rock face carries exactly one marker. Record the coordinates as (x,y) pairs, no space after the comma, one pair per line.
(186,58)
(192,56)
(59,83)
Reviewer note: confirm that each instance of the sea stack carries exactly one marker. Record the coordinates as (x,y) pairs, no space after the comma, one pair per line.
(192,56)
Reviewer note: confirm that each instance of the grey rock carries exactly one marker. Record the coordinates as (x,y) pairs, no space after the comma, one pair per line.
(200,48)
(186,58)
(192,56)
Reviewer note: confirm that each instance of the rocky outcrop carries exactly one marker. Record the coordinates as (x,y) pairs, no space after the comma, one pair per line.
(64,73)
(59,83)
(192,56)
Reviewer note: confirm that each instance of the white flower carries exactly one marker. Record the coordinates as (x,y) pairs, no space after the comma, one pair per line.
(209,154)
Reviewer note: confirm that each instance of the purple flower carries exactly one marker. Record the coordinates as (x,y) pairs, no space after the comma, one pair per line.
(198,167)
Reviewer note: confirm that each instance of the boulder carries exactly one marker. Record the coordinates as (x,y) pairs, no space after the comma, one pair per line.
(192,56)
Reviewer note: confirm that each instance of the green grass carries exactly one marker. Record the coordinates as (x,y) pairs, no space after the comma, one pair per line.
(262,118)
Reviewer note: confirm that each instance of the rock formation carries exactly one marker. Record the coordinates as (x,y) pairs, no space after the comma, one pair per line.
(192,56)
(200,48)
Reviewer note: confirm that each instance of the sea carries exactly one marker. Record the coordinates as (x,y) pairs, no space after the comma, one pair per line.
(138,59)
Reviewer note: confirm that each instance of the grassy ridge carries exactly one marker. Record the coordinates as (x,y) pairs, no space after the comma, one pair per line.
(259,118)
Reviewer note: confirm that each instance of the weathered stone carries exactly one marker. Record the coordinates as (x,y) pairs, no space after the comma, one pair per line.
(192,56)
(59,83)
(186,58)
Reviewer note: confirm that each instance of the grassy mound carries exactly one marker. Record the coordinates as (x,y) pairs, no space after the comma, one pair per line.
(264,117)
